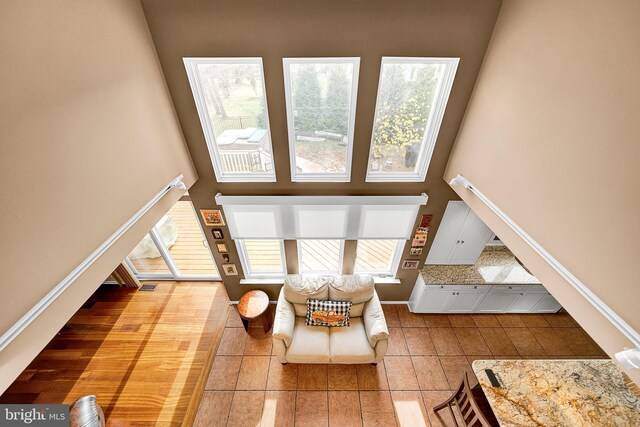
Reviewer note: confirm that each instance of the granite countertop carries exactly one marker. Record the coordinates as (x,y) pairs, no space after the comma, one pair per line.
(559,392)
(495,266)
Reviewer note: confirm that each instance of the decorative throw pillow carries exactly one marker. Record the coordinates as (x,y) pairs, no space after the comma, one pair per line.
(328,313)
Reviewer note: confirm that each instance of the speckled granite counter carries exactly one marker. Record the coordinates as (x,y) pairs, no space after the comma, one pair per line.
(559,393)
(495,266)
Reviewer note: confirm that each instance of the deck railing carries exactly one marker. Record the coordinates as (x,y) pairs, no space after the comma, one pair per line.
(246,161)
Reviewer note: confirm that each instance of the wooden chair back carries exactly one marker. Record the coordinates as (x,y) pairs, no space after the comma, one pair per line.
(463,398)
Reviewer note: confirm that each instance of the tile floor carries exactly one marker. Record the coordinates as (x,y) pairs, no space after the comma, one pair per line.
(426,358)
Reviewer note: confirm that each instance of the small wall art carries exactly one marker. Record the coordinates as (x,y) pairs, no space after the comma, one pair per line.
(410,264)
(229,269)
(425,221)
(415,251)
(221,247)
(217,233)
(419,241)
(422,231)
(212,217)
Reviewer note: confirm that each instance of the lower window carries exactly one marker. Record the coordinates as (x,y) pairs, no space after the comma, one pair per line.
(320,256)
(262,259)
(378,257)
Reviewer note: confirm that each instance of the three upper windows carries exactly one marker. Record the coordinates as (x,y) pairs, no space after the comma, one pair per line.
(321,98)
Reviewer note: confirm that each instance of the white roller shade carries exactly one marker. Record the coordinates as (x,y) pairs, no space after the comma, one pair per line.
(321,217)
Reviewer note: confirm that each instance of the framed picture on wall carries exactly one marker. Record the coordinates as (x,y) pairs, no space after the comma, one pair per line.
(229,269)
(212,217)
(422,231)
(415,251)
(221,247)
(425,221)
(410,264)
(217,233)
(419,241)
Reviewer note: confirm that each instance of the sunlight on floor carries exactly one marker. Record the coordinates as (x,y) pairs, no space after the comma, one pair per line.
(269,412)
(411,413)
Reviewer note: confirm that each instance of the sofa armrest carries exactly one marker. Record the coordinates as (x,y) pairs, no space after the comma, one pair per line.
(381,349)
(284,321)
(374,321)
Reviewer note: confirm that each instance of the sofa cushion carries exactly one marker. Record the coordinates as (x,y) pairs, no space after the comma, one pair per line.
(356,310)
(298,288)
(300,309)
(355,288)
(310,344)
(350,344)
(328,313)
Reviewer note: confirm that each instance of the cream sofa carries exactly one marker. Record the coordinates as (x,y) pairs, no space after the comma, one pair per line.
(364,341)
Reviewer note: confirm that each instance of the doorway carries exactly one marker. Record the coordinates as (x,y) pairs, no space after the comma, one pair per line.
(174,249)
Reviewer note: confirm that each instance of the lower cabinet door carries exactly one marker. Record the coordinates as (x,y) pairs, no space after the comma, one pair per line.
(498,300)
(525,302)
(432,301)
(546,304)
(464,301)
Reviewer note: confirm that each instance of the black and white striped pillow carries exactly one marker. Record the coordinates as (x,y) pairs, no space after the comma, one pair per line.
(328,313)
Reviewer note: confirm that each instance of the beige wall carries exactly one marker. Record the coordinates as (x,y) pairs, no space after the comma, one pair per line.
(551,136)
(89,136)
(291,28)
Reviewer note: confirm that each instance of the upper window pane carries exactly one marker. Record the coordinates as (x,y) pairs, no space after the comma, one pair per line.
(231,102)
(262,257)
(321,102)
(320,256)
(378,256)
(412,96)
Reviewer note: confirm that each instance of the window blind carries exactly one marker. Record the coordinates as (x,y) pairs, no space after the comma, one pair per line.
(321,217)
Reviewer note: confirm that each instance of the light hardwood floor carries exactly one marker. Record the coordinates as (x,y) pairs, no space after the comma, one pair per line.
(143,354)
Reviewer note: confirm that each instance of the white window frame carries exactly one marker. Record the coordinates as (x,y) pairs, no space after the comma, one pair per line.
(440,100)
(340,259)
(191,65)
(394,264)
(320,177)
(246,262)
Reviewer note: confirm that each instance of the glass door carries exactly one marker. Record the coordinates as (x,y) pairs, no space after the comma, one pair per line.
(174,249)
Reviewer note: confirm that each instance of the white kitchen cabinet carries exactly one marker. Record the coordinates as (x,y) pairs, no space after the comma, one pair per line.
(434,302)
(524,303)
(445,298)
(481,299)
(500,298)
(461,236)
(465,300)
(547,304)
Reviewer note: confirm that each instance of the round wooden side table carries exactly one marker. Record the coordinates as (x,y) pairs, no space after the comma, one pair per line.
(254,305)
